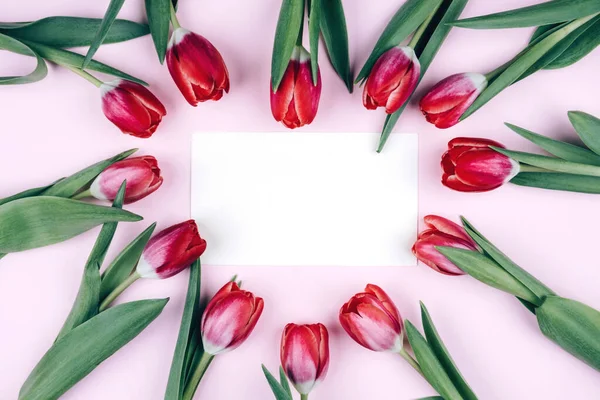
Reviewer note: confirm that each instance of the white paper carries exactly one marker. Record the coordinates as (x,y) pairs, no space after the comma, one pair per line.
(305,199)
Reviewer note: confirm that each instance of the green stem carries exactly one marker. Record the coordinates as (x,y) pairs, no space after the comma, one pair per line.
(413,363)
(174,19)
(422,28)
(197,375)
(82,195)
(493,74)
(303,397)
(118,290)
(531,168)
(85,75)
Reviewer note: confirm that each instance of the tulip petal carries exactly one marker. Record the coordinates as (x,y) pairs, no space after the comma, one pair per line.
(374,328)
(448,227)
(306,94)
(126,112)
(451,92)
(300,356)
(468,142)
(485,168)
(425,250)
(280,100)
(386,301)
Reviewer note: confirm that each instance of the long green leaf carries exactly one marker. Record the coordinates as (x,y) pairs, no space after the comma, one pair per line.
(72,31)
(26,193)
(71,185)
(124,263)
(314,30)
(430,365)
(588,128)
(159,13)
(41,221)
(290,21)
(80,351)
(406,20)
(283,380)
(439,349)
(109,18)
(278,390)
(558,181)
(566,151)
(40,71)
(177,374)
(546,13)
(335,36)
(581,47)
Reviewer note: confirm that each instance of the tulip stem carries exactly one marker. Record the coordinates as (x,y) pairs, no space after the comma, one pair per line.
(413,363)
(174,19)
(118,290)
(531,168)
(85,75)
(197,375)
(303,396)
(421,30)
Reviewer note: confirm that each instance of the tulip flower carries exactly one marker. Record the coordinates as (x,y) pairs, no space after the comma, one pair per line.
(470,165)
(446,102)
(441,232)
(197,67)
(373,321)
(141,173)
(131,107)
(392,79)
(305,355)
(296,100)
(229,319)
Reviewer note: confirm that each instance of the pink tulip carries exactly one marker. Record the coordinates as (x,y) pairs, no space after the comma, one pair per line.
(392,79)
(131,107)
(305,355)
(141,173)
(450,98)
(296,101)
(229,319)
(441,232)
(471,166)
(171,251)
(197,67)
(373,321)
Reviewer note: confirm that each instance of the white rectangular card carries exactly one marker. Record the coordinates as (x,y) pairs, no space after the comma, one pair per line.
(305,199)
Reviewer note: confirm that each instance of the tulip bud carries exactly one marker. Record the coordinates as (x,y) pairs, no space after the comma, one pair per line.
(131,107)
(296,101)
(305,355)
(229,319)
(197,67)
(392,79)
(373,321)
(171,251)
(441,232)
(141,173)
(471,166)
(450,98)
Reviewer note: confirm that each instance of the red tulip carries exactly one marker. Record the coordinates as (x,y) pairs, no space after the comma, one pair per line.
(392,79)
(171,251)
(131,107)
(373,321)
(305,355)
(471,166)
(141,173)
(449,99)
(296,100)
(229,319)
(197,67)
(441,232)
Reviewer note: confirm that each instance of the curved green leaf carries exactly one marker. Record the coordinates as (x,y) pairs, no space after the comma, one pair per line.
(588,128)
(314,30)
(283,380)
(290,21)
(558,181)
(109,18)
(40,71)
(26,193)
(550,163)
(76,354)
(159,14)
(278,389)
(549,12)
(335,36)
(580,48)
(72,31)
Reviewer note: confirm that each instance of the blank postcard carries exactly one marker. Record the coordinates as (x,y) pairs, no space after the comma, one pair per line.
(305,199)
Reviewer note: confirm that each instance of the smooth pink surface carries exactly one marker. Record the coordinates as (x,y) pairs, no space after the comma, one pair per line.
(53,127)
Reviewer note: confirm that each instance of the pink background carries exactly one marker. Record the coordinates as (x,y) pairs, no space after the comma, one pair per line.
(54,127)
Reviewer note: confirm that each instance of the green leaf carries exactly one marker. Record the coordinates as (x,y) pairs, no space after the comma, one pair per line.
(430,365)
(109,18)
(26,193)
(314,30)
(558,181)
(588,128)
(541,30)
(549,12)
(335,36)
(40,71)
(572,325)
(278,390)
(73,184)
(124,263)
(426,49)
(159,13)
(289,23)
(72,31)
(284,381)
(485,270)
(582,46)
(432,398)
(177,374)
(522,64)
(566,151)
(76,354)
(41,221)
(439,349)
(406,20)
